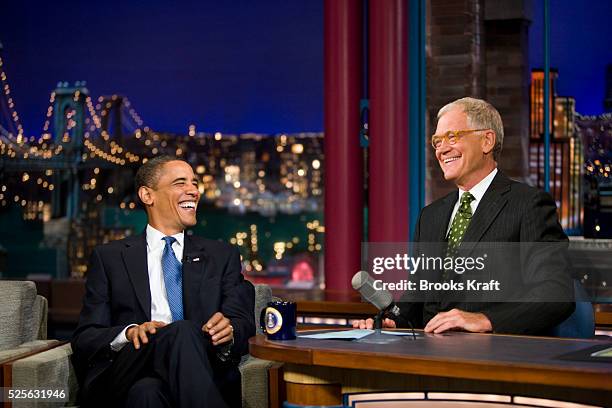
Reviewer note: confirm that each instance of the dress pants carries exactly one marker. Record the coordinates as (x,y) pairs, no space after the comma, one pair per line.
(172,370)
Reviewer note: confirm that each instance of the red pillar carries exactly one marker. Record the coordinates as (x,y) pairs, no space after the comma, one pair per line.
(343,159)
(388,78)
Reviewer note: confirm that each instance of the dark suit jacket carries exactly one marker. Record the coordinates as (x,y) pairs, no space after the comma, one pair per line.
(509,212)
(118,294)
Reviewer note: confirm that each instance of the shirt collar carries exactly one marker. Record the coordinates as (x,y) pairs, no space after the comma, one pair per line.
(479,190)
(155,238)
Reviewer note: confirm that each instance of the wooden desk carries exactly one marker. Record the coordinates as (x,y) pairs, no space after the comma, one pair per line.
(320,371)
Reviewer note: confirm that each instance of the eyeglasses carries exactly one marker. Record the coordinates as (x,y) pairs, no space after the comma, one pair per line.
(451,136)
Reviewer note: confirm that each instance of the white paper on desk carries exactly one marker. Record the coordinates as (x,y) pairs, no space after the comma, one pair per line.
(603,353)
(339,335)
(400,333)
(350,334)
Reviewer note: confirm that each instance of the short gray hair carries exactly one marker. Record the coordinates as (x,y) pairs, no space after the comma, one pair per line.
(482,115)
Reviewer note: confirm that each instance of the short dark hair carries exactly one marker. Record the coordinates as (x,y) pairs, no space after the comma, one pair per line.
(148,174)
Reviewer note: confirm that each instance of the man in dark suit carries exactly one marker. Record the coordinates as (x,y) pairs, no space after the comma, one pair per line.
(166,315)
(488,208)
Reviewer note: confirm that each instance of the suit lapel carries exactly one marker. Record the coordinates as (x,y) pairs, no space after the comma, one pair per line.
(135,258)
(194,267)
(488,209)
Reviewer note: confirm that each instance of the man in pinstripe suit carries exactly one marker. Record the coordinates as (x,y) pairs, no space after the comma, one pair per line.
(468,143)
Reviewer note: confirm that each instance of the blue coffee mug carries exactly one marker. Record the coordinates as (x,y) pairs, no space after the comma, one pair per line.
(278,320)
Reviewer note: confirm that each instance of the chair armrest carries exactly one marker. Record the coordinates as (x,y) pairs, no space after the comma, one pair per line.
(26,349)
(254,372)
(49,369)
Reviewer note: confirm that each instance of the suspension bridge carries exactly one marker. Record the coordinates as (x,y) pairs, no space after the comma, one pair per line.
(79,135)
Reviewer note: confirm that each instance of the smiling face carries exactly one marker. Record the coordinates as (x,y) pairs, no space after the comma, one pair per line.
(470,159)
(172,203)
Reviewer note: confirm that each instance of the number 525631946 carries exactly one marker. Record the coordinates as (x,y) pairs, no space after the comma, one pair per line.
(25,394)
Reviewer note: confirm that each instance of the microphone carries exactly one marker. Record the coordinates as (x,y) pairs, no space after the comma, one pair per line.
(382,299)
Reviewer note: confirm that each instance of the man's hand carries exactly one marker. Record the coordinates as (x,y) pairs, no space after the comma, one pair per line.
(138,334)
(220,328)
(458,319)
(369,324)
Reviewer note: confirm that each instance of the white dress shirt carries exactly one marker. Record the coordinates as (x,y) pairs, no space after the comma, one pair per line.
(478,191)
(160,308)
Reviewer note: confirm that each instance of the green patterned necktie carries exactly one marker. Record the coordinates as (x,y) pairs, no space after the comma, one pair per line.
(460,223)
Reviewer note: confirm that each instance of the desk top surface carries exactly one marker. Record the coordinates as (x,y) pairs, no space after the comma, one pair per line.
(453,354)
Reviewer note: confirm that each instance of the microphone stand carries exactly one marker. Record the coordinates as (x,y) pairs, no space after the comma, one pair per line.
(378,319)
(378,337)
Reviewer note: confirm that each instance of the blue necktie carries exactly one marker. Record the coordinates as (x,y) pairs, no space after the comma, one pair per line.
(173,278)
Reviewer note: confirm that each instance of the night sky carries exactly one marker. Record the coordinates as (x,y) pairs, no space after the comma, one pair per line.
(232,66)
(581,46)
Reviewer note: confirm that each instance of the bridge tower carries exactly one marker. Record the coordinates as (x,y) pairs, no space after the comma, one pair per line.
(69,121)
(69,128)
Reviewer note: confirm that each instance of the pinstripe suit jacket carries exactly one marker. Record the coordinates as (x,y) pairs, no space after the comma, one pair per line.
(509,212)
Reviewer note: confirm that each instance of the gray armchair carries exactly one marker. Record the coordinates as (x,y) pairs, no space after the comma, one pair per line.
(23,320)
(23,327)
(52,368)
